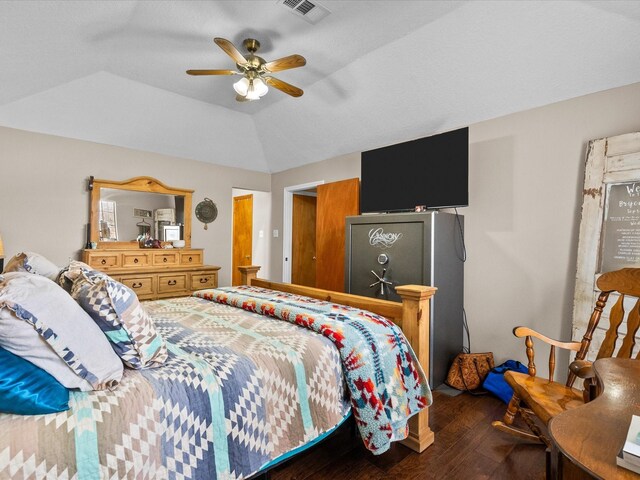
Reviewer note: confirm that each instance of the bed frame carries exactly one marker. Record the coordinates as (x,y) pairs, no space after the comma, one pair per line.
(412,316)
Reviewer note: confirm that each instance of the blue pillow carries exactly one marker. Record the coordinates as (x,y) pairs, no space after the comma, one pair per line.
(28,390)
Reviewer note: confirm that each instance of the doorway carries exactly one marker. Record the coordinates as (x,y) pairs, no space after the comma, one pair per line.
(303,238)
(335,201)
(287,225)
(242,235)
(258,230)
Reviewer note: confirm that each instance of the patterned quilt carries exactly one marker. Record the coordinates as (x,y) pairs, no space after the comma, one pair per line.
(385,379)
(238,390)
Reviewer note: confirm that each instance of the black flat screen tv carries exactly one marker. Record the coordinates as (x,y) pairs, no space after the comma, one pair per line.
(432,172)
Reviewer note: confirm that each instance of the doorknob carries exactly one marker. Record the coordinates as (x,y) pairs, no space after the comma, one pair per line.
(247,256)
(313,258)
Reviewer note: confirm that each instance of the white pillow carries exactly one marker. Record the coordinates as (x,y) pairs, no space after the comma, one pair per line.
(41,323)
(33,263)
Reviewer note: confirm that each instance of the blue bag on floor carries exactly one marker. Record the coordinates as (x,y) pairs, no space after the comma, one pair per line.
(495,382)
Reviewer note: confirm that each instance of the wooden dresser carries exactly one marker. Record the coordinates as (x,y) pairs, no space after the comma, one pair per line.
(155,272)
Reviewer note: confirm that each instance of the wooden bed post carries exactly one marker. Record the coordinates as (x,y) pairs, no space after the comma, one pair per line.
(415,325)
(248,272)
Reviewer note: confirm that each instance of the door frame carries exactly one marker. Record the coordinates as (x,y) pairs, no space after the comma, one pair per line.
(287,224)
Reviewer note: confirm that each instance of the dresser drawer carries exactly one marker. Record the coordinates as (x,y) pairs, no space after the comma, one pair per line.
(204,280)
(141,285)
(165,258)
(136,259)
(191,258)
(104,260)
(172,282)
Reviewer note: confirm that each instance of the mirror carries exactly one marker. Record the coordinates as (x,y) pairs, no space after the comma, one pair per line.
(123,211)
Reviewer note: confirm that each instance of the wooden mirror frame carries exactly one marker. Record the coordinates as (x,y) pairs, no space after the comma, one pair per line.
(136,184)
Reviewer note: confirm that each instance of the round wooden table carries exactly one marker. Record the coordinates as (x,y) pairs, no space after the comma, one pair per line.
(590,436)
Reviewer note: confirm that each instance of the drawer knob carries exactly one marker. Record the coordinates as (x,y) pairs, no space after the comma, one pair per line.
(164,259)
(204,280)
(104,261)
(190,259)
(135,260)
(136,284)
(172,282)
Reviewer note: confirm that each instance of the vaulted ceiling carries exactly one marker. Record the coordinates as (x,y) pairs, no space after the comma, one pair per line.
(377,73)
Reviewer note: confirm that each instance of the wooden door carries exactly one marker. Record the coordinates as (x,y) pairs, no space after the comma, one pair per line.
(610,225)
(336,201)
(303,240)
(242,235)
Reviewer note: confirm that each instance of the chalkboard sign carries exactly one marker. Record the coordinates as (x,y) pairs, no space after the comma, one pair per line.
(620,245)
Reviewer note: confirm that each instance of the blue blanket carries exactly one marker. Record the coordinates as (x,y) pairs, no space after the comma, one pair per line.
(386,382)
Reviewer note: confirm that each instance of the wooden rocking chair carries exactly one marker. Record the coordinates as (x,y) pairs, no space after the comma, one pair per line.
(542,399)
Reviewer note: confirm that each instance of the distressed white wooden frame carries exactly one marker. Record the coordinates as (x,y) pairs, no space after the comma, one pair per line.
(609,160)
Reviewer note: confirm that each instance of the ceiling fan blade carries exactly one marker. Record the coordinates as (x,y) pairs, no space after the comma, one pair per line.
(212,72)
(284,86)
(229,48)
(285,63)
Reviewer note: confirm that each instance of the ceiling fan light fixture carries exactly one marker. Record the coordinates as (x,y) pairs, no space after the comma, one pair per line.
(257,89)
(260,87)
(242,86)
(255,72)
(251,88)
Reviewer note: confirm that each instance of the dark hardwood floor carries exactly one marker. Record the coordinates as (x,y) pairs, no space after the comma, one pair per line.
(465,447)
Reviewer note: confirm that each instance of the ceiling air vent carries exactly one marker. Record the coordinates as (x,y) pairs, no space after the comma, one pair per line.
(312,12)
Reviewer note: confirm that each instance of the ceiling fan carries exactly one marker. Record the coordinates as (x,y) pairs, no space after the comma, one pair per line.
(255,71)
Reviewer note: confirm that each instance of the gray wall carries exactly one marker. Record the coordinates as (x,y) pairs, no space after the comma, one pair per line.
(44,203)
(525,187)
(526,175)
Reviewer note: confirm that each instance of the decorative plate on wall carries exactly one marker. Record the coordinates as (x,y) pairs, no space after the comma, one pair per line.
(206,211)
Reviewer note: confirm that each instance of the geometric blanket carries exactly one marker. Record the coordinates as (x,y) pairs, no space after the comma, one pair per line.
(385,379)
(238,391)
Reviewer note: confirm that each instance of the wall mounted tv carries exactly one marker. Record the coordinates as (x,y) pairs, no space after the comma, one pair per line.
(431,172)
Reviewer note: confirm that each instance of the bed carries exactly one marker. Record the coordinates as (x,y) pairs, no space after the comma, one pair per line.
(239,391)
